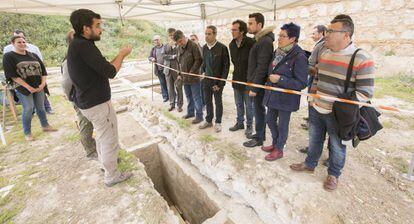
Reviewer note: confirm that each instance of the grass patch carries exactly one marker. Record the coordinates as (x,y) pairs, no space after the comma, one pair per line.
(399,86)
(387,124)
(182,123)
(399,163)
(236,154)
(127,161)
(207,138)
(72,137)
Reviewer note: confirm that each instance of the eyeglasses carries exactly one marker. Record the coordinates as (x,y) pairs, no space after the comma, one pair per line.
(329,31)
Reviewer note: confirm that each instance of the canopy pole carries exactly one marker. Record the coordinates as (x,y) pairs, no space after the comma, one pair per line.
(203,15)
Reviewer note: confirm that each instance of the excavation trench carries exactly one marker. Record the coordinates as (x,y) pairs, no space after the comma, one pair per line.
(177,182)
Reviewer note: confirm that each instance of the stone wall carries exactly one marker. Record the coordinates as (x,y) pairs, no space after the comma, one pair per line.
(385,28)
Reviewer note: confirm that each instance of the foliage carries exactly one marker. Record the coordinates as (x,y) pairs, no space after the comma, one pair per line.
(49,33)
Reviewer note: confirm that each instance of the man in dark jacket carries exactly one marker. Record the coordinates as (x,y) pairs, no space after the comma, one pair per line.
(90,73)
(216,64)
(239,50)
(189,60)
(259,60)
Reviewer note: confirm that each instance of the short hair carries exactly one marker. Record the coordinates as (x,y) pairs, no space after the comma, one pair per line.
(171,30)
(194,35)
(14,38)
(17,31)
(178,35)
(242,26)
(292,30)
(213,28)
(320,29)
(258,17)
(82,17)
(346,22)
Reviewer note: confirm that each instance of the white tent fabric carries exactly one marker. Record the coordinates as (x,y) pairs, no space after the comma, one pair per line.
(156,10)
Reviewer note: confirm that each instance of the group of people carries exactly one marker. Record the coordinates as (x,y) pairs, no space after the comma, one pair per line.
(86,75)
(26,73)
(256,61)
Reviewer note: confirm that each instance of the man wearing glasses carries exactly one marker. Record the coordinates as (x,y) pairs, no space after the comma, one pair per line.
(332,67)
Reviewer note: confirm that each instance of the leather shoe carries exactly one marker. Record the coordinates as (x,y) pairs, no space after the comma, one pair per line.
(236,127)
(188,116)
(251,136)
(269,148)
(331,183)
(301,167)
(276,154)
(252,143)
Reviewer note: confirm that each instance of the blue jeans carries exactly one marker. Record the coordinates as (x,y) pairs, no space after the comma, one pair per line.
(34,100)
(278,123)
(163,84)
(319,125)
(259,115)
(193,94)
(243,100)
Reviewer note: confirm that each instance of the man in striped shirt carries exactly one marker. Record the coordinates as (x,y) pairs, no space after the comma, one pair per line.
(332,67)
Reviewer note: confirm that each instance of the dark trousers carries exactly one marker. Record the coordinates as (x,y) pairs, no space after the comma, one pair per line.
(208,99)
(259,115)
(278,123)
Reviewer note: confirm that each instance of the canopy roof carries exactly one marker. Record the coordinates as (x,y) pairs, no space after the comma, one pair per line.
(158,10)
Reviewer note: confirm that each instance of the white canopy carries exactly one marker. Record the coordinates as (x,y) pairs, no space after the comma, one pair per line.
(158,10)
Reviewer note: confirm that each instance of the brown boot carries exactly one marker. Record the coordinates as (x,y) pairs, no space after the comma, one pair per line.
(49,129)
(301,167)
(331,183)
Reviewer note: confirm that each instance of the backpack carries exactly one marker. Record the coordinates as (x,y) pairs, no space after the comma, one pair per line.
(354,123)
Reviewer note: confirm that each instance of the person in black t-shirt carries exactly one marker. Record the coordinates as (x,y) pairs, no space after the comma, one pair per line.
(27,74)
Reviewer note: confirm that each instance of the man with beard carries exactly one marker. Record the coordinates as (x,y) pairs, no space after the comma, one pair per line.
(89,72)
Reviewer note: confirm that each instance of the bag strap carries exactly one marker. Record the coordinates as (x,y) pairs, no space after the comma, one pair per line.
(349,71)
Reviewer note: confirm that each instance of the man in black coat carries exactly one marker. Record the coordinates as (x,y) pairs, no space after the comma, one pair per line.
(239,50)
(259,60)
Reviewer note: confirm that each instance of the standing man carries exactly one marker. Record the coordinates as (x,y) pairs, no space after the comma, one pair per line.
(84,125)
(332,67)
(157,55)
(175,87)
(189,60)
(239,50)
(34,49)
(216,64)
(259,61)
(89,72)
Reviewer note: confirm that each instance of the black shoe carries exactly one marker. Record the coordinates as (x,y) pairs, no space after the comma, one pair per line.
(305,126)
(196,121)
(304,150)
(252,143)
(236,127)
(188,116)
(326,162)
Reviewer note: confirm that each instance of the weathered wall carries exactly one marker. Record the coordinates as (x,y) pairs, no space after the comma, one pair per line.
(383,27)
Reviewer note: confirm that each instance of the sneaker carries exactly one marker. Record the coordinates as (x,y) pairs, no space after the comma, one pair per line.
(217,127)
(49,129)
(331,183)
(205,125)
(196,121)
(123,177)
(29,137)
(187,116)
(236,127)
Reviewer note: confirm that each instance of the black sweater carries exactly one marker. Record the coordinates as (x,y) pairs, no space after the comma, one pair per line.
(89,72)
(240,59)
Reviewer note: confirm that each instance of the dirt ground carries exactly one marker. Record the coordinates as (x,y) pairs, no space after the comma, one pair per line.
(50,181)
